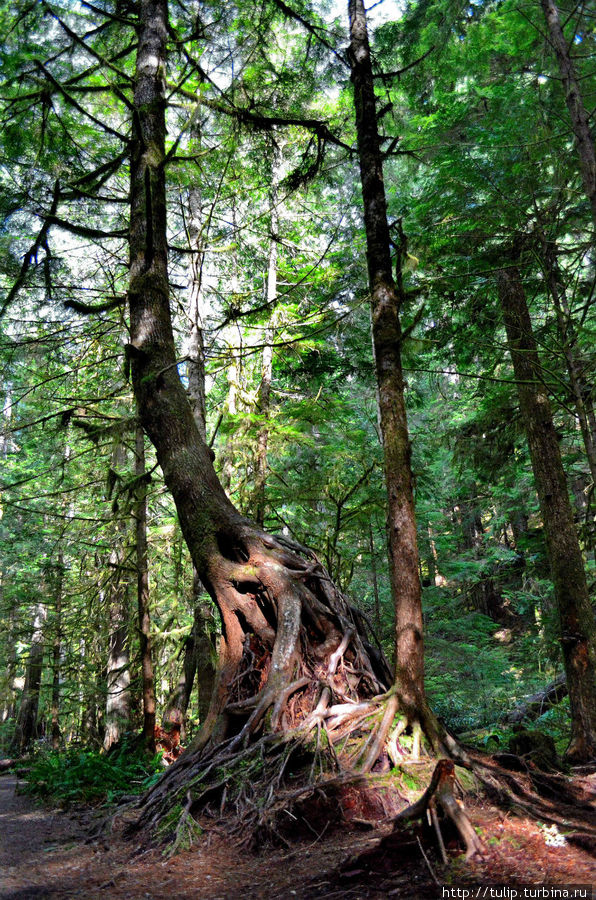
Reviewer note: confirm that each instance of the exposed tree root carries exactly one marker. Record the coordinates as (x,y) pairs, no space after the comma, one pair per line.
(440,792)
(303,695)
(259,783)
(540,795)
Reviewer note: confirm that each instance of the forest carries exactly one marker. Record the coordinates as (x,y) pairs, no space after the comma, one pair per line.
(298,442)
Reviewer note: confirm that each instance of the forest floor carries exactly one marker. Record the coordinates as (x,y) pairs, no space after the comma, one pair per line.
(48,853)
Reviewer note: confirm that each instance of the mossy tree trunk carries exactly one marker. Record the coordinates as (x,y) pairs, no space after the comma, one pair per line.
(58,585)
(9,708)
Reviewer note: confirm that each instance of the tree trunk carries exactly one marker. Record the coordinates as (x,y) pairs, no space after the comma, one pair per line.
(580,122)
(118,672)
(264,396)
(178,700)
(9,707)
(235,400)
(478,587)
(262,588)
(56,650)
(373,572)
(295,656)
(26,724)
(205,654)
(264,410)
(196,341)
(387,297)
(118,664)
(199,655)
(571,593)
(583,407)
(140,515)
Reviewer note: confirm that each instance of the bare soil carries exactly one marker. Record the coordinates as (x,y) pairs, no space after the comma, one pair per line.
(49,853)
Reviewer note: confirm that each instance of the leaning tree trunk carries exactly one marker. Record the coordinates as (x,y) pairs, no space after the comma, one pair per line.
(576,617)
(295,656)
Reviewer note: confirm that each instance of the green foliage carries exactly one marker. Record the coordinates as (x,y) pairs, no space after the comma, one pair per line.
(79,775)
(555,722)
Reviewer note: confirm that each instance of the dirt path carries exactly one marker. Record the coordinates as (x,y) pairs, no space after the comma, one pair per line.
(47,853)
(36,844)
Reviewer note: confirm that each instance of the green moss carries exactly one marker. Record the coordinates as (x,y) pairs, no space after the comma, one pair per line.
(410,779)
(466,779)
(170,820)
(178,829)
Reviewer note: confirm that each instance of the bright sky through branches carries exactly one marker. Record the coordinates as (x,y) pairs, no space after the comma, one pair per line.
(378,12)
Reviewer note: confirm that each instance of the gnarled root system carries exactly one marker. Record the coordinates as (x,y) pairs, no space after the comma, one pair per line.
(304,694)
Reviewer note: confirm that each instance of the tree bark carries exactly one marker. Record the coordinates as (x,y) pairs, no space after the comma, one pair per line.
(576,617)
(387,297)
(580,122)
(91,691)
(9,707)
(56,650)
(373,572)
(196,340)
(178,700)
(583,407)
(26,724)
(199,652)
(264,395)
(205,654)
(140,515)
(117,718)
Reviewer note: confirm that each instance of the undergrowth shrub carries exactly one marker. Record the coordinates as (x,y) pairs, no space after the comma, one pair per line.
(79,775)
